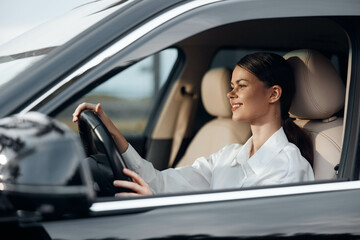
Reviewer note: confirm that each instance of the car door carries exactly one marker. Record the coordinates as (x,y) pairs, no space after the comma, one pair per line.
(321,211)
(315,210)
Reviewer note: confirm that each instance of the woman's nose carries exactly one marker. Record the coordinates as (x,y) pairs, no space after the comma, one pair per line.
(230,94)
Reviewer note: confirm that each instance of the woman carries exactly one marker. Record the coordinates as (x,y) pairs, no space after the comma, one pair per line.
(278,151)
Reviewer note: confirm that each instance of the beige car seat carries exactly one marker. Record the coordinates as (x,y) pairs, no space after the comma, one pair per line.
(222,130)
(320,95)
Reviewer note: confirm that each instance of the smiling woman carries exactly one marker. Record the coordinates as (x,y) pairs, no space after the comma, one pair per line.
(263,87)
(277,81)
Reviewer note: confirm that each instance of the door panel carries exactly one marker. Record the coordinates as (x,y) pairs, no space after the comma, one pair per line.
(314,216)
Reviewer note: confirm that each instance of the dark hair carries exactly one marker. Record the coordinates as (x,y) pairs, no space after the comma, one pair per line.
(273,69)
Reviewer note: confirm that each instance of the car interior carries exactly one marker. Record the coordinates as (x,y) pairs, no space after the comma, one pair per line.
(190,114)
(320,95)
(320,92)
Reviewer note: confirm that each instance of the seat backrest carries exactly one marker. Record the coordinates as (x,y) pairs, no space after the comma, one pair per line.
(222,130)
(320,95)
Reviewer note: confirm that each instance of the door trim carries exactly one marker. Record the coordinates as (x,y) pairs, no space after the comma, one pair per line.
(165,201)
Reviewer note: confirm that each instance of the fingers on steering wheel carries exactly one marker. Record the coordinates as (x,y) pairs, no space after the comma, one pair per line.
(139,186)
(135,177)
(128,185)
(126,194)
(82,107)
(98,109)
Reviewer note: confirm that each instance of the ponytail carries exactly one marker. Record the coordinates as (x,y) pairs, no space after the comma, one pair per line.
(300,138)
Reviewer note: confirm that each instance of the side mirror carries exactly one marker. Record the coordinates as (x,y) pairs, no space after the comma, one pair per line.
(42,166)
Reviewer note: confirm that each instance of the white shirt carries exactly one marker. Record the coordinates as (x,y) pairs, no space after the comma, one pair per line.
(277,162)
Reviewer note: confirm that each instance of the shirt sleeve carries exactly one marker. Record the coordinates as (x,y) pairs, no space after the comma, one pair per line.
(189,178)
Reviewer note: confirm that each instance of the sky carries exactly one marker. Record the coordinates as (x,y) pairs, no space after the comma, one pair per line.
(19,16)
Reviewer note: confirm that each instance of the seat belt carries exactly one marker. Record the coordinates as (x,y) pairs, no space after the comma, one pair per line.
(182,124)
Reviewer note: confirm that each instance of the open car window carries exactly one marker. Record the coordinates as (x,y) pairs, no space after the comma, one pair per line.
(223,57)
(219,54)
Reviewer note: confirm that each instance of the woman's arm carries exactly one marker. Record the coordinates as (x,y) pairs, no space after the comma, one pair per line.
(188,178)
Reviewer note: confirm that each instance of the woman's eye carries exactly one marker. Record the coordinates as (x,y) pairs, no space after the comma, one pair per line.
(237,86)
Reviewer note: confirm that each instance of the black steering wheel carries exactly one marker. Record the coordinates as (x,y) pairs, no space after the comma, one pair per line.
(90,124)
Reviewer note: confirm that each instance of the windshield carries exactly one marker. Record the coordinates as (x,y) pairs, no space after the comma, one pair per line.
(21,52)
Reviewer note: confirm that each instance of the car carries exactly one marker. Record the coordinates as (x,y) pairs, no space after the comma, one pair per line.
(145,62)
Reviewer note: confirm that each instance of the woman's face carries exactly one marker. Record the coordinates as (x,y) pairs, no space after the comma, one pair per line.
(249,98)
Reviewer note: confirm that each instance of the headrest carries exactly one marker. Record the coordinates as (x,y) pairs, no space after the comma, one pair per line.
(320,92)
(214,87)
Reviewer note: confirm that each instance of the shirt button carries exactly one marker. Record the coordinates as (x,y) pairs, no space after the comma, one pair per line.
(234,163)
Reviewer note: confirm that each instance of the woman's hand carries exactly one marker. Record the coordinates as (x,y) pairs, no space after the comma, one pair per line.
(119,139)
(89,106)
(138,186)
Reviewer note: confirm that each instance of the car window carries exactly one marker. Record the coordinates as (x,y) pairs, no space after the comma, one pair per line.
(128,96)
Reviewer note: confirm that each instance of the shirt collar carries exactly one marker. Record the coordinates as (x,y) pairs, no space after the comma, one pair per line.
(265,154)
(243,155)
(268,151)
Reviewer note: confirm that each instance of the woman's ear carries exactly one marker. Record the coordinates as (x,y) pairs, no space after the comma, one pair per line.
(275,93)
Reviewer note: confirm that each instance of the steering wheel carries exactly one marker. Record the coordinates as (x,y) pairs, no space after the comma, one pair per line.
(90,124)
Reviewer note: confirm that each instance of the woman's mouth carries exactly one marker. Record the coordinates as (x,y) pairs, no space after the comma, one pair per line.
(235,106)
